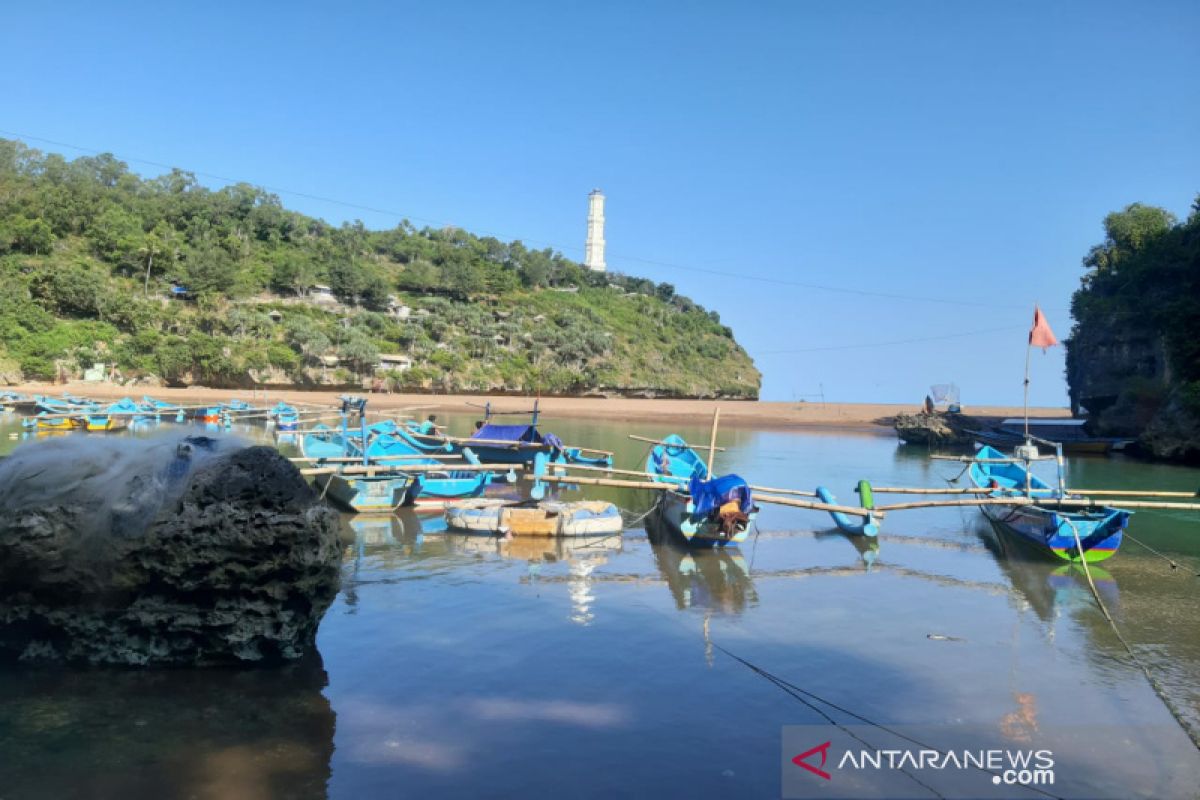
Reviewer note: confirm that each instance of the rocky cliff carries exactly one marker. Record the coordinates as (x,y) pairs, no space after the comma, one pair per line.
(1133,358)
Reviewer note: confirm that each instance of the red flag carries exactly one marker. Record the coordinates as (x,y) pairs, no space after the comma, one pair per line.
(1040,334)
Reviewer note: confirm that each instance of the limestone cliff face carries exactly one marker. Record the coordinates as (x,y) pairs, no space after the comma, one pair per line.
(1122,379)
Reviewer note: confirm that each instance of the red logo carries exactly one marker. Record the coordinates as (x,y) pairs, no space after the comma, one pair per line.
(823,749)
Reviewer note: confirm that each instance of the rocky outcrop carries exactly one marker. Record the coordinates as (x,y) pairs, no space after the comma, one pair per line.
(936,428)
(1122,379)
(172,550)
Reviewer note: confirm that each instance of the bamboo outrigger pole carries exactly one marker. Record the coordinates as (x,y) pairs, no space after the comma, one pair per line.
(672,444)
(386,469)
(668,487)
(638,473)
(358,460)
(985,490)
(1035,501)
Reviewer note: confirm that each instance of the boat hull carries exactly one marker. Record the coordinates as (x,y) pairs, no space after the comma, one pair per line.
(365,494)
(1051,531)
(1088,535)
(435,492)
(673,511)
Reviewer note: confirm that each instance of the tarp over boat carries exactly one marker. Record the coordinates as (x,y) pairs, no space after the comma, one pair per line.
(708,496)
(508,433)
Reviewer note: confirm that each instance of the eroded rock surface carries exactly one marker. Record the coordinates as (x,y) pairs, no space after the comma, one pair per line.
(172,550)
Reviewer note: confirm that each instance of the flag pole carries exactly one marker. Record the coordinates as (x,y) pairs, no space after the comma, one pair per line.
(1028,350)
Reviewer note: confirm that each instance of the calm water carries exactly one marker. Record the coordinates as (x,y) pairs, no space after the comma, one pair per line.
(461,666)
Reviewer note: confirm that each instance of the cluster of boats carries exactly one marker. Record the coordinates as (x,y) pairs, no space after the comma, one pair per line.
(69,412)
(472,482)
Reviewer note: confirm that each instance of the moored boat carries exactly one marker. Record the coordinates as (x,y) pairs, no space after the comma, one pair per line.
(1083,535)
(285,417)
(441,483)
(699,510)
(1070,433)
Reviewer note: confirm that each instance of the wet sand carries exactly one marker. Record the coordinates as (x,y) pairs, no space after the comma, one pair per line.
(759,414)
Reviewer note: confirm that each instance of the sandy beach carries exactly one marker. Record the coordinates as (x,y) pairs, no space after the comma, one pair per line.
(758,414)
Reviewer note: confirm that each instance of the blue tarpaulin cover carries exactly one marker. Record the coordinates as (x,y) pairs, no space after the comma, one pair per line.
(708,496)
(508,433)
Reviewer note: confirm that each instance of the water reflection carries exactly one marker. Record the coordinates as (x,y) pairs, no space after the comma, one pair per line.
(414,537)
(1049,587)
(246,733)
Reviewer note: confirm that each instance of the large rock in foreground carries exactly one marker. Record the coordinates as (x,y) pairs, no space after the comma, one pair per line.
(172,550)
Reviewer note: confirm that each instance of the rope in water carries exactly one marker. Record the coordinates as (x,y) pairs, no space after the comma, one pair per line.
(1191,733)
(801,695)
(1163,556)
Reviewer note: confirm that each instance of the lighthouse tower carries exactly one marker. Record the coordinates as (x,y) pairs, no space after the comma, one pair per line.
(593,254)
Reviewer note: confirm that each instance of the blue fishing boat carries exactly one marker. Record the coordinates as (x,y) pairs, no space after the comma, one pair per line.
(497,443)
(439,486)
(158,409)
(1073,535)
(702,510)
(285,417)
(113,417)
(363,493)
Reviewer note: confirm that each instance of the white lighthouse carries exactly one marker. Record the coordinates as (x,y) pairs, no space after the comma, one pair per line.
(593,253)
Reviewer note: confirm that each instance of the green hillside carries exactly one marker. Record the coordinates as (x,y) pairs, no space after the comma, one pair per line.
(173,282)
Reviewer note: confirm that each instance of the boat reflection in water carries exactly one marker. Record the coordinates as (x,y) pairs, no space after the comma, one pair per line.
(713,580)
(1049,588)
(417,537)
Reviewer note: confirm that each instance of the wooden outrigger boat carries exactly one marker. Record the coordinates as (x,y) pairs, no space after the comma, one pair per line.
(360,493)
(506,444)
(435,485)
(284,417)
(700,511)
(1070,433)
(1073,535)
(53,422)
(440,485)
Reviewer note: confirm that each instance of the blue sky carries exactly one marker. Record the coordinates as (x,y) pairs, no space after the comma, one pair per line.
(960,156)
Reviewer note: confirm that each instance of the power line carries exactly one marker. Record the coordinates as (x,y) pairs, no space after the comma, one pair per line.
(896,341)
(650,262)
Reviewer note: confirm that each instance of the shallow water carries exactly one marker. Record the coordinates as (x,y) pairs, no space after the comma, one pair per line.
(453,665)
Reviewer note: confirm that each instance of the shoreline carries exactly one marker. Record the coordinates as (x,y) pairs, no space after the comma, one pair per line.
(779,415)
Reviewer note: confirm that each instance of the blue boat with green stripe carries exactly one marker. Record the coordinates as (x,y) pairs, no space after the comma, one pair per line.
(1073,535)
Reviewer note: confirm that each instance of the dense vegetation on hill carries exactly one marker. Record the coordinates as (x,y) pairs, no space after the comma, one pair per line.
(94,259)
(1133,359)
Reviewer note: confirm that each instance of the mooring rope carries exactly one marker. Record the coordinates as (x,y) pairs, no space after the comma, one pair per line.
(801,694)
(1191,733)
(1174,564)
